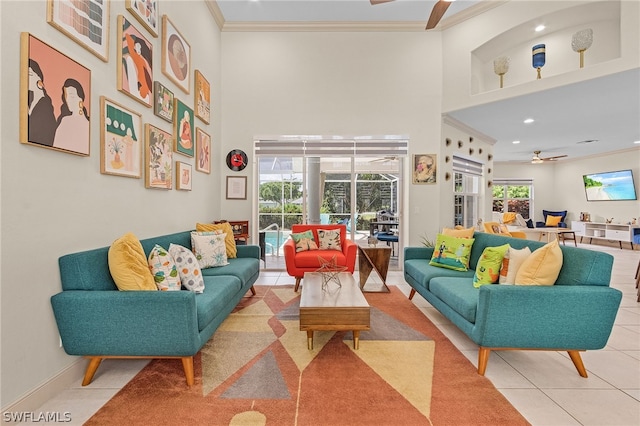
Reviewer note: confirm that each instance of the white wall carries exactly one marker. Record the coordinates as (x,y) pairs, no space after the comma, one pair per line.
(55,203)
(334,83)
(558,186)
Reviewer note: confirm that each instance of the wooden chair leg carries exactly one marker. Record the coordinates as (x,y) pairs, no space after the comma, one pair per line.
(637,273)
(253,291)
(413,293)
(187,365)
(577,361)
(483,359)
(94,363)
(297,283)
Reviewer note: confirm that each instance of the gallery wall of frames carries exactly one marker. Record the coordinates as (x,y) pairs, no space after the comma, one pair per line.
(130,146)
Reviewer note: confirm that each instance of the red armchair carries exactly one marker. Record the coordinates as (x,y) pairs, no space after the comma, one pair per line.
(307,261)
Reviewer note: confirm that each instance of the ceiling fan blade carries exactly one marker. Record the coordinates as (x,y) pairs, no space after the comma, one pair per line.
(437,12)
(374,2)
(553,158)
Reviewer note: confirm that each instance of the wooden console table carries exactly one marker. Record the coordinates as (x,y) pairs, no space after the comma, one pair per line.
(374,259)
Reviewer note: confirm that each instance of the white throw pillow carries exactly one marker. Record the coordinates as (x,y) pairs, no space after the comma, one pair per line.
(188,268)
(209,248)
(329,239)
(164,270)
(511,262)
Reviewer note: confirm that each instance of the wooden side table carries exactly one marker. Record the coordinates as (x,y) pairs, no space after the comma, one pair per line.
(374,259)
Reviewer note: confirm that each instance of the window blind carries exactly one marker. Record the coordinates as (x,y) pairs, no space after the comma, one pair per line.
(470,167)
(513,182)
(322,147)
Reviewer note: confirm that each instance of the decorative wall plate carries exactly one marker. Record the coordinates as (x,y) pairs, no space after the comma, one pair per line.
(236,160)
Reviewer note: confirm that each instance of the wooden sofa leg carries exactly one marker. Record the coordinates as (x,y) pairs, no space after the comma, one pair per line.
(413,293)
(483,359)
(94,363)
(297,283)
(577,361)
(187,365)
(253,291)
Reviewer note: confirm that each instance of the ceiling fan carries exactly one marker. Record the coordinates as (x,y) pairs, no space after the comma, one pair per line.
(537,159)
(437,12)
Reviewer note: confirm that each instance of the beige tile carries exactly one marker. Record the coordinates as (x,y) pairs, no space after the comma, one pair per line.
(537,408)
(598,407)
(634,354)
(114,373)
(623,339)
(501,374)
(613,367)
(628,316)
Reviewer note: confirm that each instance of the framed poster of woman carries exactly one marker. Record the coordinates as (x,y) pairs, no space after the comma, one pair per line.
(135,63)
(176,55)
(55,98)
(425,168)
(183,129)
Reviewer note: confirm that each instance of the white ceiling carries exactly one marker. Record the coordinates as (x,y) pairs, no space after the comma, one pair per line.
(605,109)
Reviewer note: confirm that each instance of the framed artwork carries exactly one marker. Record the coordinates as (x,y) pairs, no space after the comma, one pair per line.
(183,176)
(236,187)
(55,99)
(425,168)
(120,140)
(163,105)
(176,55)
(183,128)
(145,11)
(135,63)
(86,23)
(202,94)
(158,164)
(203,151)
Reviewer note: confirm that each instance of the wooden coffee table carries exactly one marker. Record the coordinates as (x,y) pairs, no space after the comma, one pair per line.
(337,308)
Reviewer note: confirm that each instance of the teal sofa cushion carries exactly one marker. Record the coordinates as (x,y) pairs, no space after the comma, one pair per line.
(218,293)
(245,268)
(458,293)
(422,272)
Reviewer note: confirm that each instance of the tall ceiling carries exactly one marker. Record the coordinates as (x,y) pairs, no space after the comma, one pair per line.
(578,120)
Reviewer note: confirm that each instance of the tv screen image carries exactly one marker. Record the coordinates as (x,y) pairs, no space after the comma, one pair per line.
(610,186)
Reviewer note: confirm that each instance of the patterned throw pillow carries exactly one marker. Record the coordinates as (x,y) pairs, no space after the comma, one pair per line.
(329,239)
(511,262)
(188,268)
(452,253)
(209,248)
(230,242)
(304,241)
(163,269)
(488,268)
(128,265)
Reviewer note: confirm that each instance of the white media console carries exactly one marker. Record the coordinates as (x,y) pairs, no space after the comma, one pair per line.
(605,231)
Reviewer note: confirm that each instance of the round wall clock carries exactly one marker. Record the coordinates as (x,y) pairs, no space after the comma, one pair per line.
(236,160)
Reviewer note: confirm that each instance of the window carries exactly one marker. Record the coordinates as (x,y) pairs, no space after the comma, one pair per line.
(467,179)
(513,195)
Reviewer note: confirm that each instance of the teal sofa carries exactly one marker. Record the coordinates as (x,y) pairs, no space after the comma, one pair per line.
(575,314)
(97,321)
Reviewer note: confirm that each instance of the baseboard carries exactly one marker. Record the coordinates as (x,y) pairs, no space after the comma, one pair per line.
(48,390)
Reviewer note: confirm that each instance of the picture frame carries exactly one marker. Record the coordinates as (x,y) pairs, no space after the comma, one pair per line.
(236,187)
(184,176)
(176,55)
(203,151)
(202,95)
(183,125)
(163,105)
(158,164)
(89,31)
(146,12)
(425,169)
(120,140)
(134,67)
(53,89)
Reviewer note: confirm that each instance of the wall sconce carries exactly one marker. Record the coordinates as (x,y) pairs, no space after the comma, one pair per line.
(538,53)
(581,41)
(501,67)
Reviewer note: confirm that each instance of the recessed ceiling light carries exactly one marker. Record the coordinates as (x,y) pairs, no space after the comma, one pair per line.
(637,142)
(540,28)
(515,142)
(528,120)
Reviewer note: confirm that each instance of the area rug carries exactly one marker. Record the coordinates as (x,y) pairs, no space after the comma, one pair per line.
(257,370)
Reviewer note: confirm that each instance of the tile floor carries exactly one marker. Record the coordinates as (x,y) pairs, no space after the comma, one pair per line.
(543,386)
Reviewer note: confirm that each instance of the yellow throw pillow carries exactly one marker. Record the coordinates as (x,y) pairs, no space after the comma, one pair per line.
(508,217)
(229,241)
(459,233)
(542,267)
(553,220)
(128,265)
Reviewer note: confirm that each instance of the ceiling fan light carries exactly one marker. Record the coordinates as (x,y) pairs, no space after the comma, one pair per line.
(536,160)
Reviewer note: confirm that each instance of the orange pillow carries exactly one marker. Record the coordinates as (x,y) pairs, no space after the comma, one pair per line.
(459,233)
(553,220)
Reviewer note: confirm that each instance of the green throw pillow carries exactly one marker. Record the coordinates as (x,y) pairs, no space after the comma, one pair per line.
(452,253)
(304,241)
(488,269)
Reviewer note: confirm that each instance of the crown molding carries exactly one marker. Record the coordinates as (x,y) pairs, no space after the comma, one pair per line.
(447,119)
(213,7)
(347,26)
(468,13)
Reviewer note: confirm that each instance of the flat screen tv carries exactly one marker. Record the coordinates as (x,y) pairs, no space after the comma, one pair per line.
(610,186)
